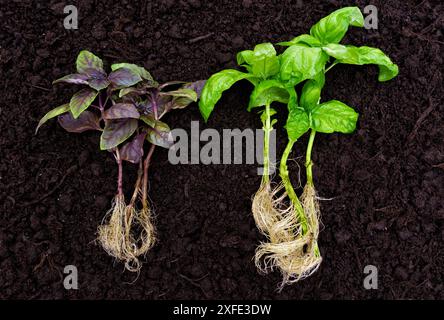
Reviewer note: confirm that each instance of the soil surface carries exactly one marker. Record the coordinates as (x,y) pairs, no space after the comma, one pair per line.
(385,182)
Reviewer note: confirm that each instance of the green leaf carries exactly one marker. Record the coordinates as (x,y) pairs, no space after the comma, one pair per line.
(332,28)
(297,122)
(333,116)
(364,55)
(215,86)
(124,77)
(303,38)
(160,135)
(52,114)
(116,132)
(81,100)
(149,120)
(121,111)
(141,71)
(87,60)
(300,62)
(125,91)
(86,121)
(266,92)
(262,61)
(179,99)
(311,92)
(182,93)
(76,78)
(264,116)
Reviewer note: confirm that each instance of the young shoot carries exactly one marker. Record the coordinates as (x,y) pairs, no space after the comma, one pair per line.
(126,106)
(290,223)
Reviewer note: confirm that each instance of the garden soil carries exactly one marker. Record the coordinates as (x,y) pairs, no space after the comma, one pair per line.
(382,185)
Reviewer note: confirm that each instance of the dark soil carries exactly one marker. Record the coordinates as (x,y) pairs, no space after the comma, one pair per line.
(386,180)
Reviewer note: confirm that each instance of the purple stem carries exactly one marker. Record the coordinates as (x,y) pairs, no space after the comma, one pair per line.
(120,173)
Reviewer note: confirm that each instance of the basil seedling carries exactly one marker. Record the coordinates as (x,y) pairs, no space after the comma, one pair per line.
(126,106)
(292,227)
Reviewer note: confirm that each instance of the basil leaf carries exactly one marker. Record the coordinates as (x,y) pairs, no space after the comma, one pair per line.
(116,132)
(266,92)
(364,55)
(97,80)
(300,62)
(262,61)
(149,120)
(333,116)
(132,151)
(141,71)
(76,78)
(124,77)
(160,135)
(332,28)
(196,86)
(86,121)
(303,38)
(215,86)
(87,60)
(81,100)
(121,111)
(52,114)
(297,121)
(311,91)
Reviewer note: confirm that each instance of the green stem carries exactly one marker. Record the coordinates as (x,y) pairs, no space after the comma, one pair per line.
(283,171)
(331,66)
(267,129)
(308,162)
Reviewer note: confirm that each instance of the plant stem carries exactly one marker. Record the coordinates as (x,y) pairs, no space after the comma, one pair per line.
(283,171)
(146,165)
(331,66)
(267,129)
(155,107)
(120,173)
(137,185)
(308,162)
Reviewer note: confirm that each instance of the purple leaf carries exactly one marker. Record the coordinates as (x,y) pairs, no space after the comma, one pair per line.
(170,83)
(76,78)
(164,104)
(120,111)
(81,100)
(86,121)
(145,106)
(196,86)
(124,77)
(116,132)
(133,151)
(97,79)
(160,135)
(87,60)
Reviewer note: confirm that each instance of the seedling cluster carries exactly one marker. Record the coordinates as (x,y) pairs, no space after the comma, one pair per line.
(290,222)
(126,106)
